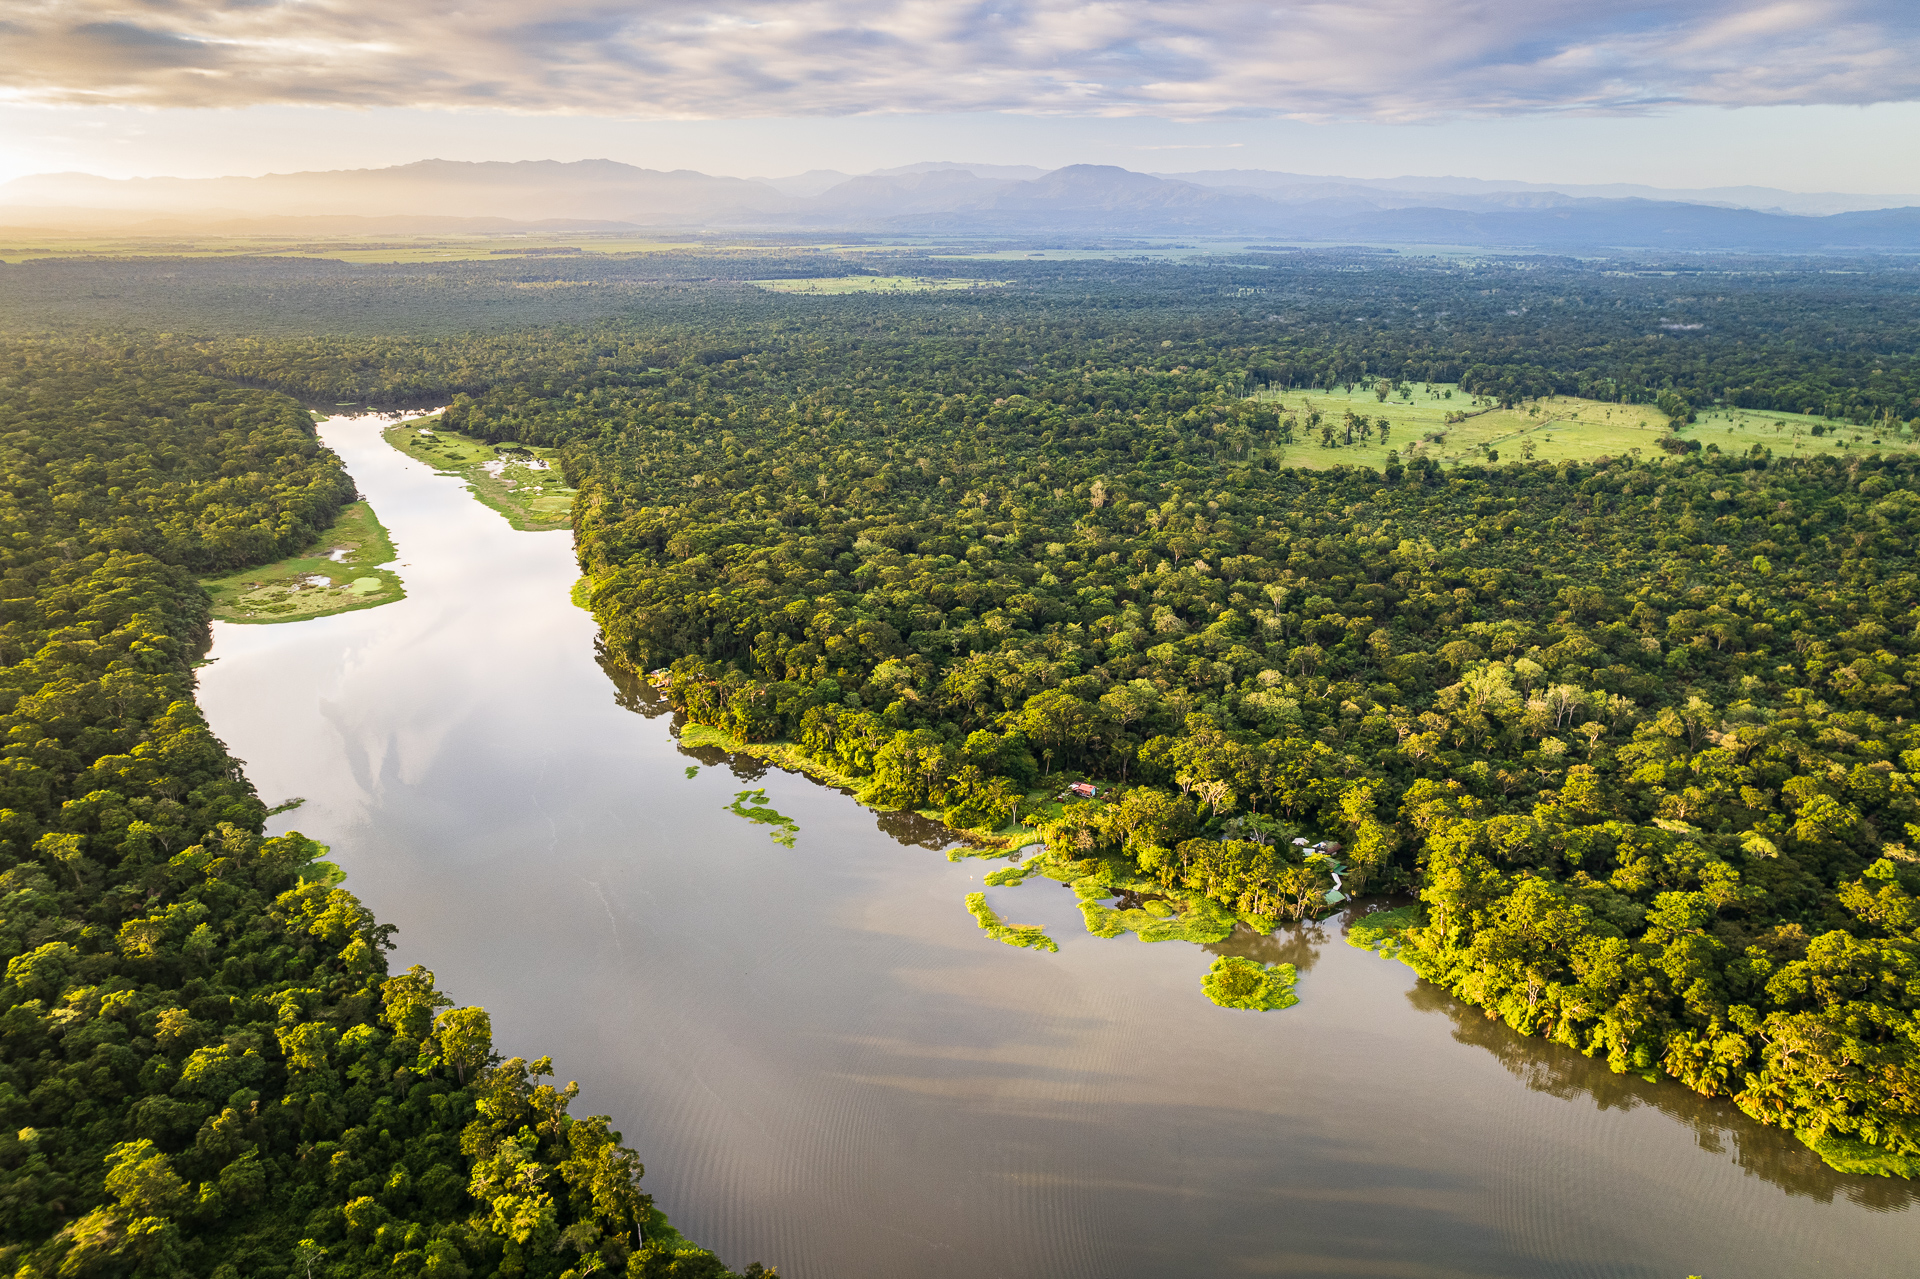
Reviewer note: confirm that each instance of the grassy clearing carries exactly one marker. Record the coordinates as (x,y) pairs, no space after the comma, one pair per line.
(339,573)
(875,284)
(521,482)
(1030,936)
(1554,429)
(1791,434)
(1247,984)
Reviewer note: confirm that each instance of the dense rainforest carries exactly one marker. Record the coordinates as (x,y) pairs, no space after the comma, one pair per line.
(1637,734)
(1832,336)
(206,1067)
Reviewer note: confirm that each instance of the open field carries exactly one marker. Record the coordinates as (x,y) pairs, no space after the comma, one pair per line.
(521,482)
(340,573)
(1557,428)
(875,284)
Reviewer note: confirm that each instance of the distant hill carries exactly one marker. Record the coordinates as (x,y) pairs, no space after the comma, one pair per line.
(1450,192)
(949,198)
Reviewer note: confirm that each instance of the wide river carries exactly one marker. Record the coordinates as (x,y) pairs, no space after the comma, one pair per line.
(828,1067)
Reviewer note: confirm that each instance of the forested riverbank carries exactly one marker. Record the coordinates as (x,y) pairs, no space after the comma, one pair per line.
(1637,731)
(205,1065)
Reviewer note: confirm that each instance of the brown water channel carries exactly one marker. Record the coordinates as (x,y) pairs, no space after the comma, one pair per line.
(828,1067)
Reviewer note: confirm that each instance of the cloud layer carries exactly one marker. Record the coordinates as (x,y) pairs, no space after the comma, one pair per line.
(1383,60)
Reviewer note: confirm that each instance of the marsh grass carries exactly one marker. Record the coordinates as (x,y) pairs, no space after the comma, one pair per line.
(532,500)
(339,573)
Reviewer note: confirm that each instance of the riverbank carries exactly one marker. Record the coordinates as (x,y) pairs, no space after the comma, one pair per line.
(342,572)
(789,756)
(522,482)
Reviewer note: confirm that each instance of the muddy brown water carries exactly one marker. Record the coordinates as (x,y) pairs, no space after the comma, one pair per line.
(828,1067)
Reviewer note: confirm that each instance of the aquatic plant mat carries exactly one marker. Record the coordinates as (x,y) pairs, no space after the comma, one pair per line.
(752,805)
(1031,936)
(1247,984)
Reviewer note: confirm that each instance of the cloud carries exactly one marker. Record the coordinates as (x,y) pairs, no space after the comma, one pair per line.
(1381,60)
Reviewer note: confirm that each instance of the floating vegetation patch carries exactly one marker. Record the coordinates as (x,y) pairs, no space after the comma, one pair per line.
(1008,876)
(1383,930)
(1031,936)
(1234,982)
(752,805)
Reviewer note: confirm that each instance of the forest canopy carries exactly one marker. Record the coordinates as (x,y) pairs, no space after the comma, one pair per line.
(1637,733)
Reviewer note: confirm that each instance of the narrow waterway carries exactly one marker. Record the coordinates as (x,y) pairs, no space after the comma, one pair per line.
(828,1067)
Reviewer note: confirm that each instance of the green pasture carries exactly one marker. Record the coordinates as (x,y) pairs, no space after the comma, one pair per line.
(339,573)
(1551,429)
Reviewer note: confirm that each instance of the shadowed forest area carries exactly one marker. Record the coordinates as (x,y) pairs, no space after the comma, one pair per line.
(1634,729)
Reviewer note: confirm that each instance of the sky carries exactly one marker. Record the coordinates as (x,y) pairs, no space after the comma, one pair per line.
(1802,94)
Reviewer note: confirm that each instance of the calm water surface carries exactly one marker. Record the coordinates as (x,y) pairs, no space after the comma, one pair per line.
(828,1067)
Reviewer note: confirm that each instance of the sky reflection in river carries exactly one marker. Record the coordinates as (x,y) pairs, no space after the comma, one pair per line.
(828,1066)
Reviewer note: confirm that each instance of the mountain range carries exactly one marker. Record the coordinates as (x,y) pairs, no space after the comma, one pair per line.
(944,198)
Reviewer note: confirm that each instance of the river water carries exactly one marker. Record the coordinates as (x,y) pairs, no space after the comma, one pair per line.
(828,1067)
